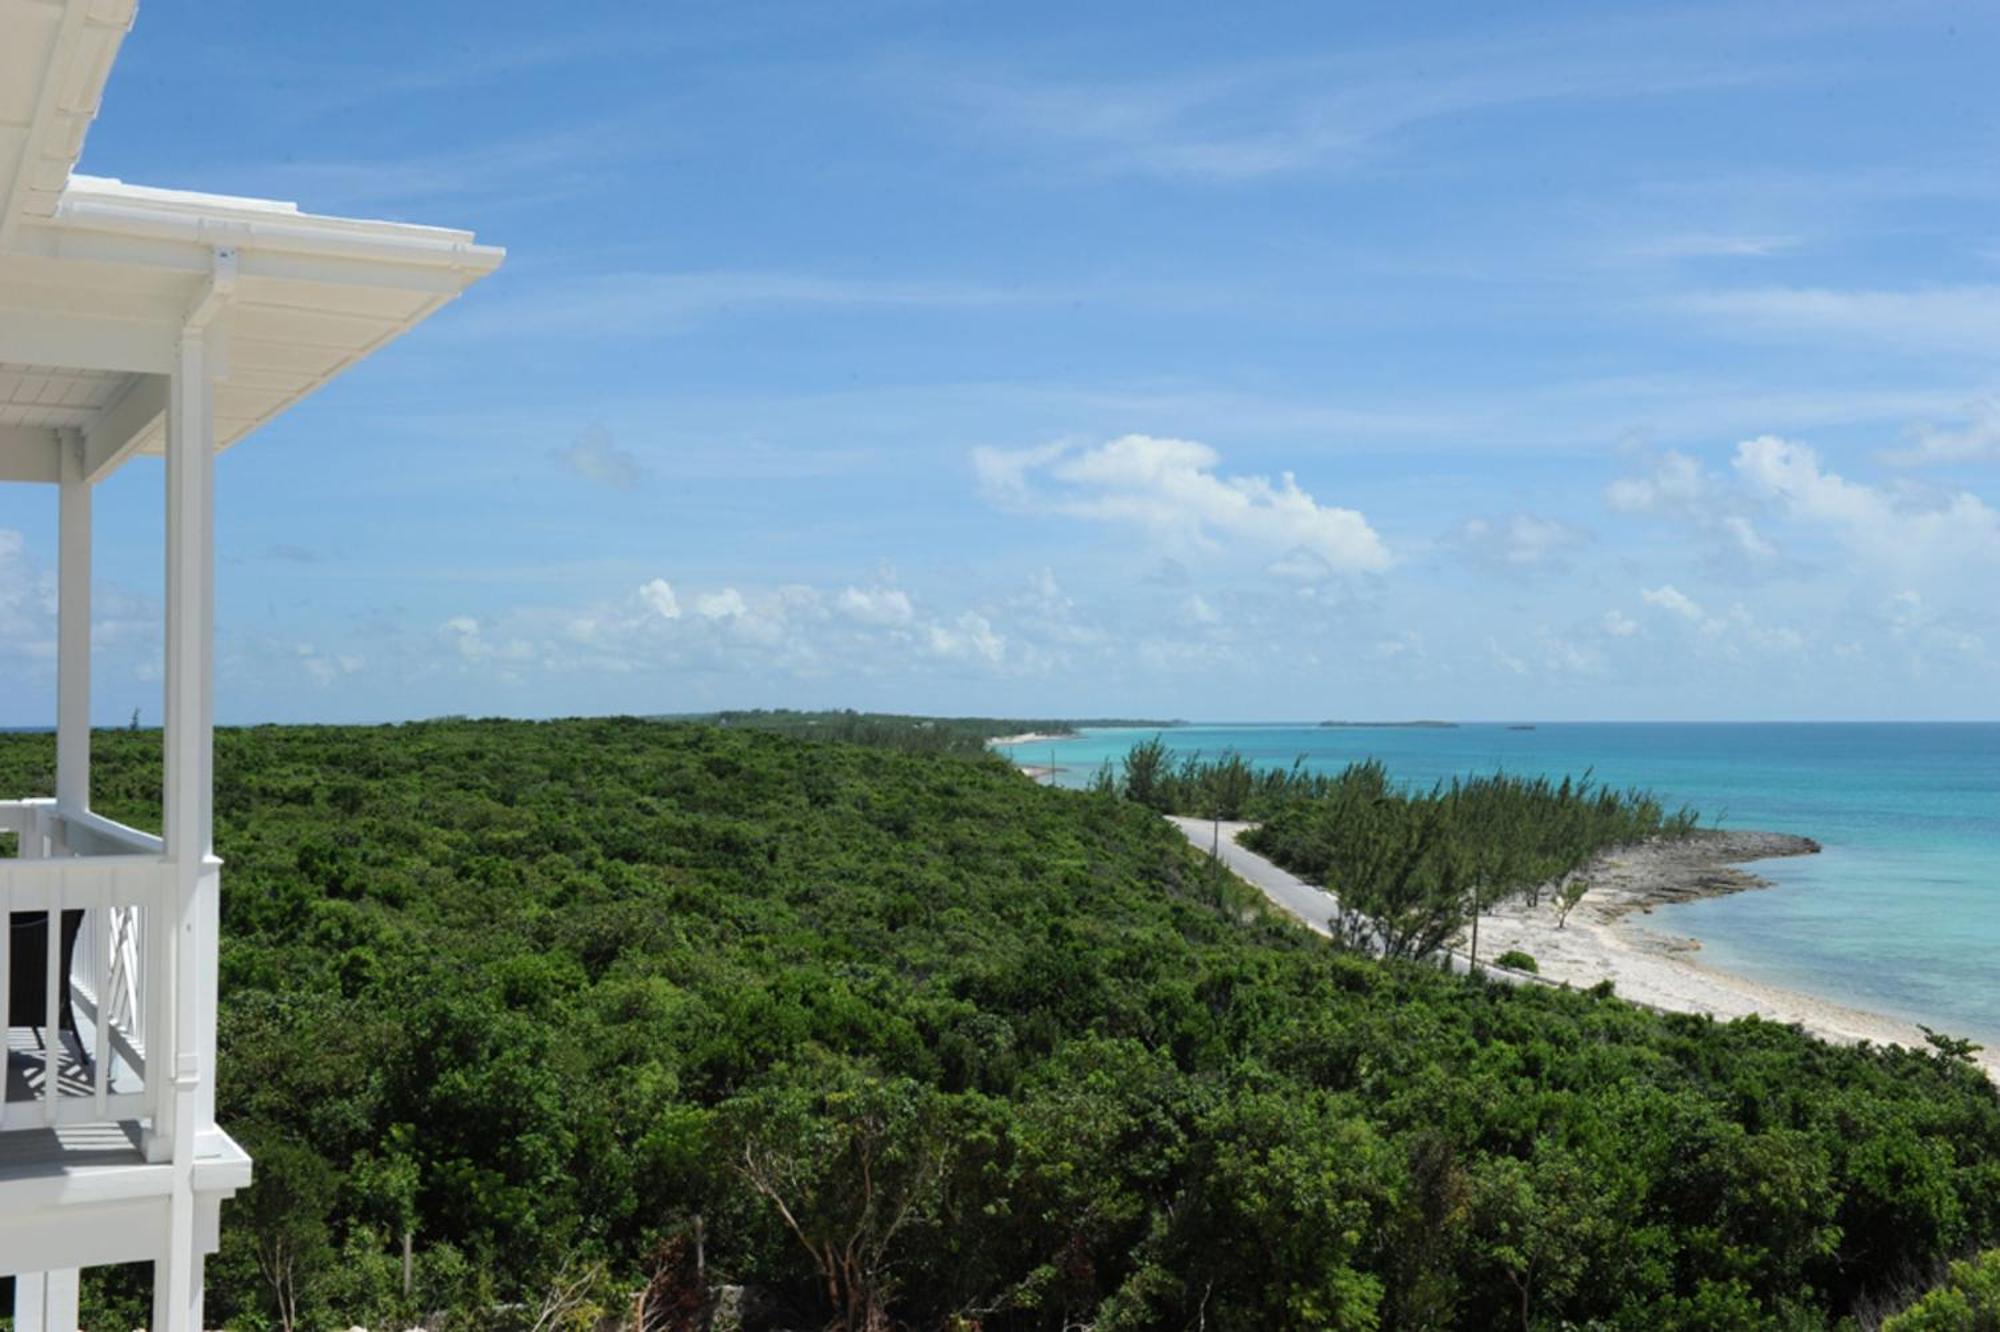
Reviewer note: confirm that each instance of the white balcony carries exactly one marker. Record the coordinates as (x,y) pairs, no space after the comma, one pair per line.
(80,999)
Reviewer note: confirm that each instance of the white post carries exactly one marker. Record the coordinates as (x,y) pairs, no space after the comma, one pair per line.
(189,804)
(73,632)
(47,1301)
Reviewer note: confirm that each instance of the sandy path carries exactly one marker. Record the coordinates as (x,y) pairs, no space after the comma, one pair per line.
(1606,937)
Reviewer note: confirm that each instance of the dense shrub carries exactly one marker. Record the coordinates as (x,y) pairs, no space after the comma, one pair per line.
(913,1037)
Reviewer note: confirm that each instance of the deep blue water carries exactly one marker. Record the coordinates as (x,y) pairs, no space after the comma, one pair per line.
(1900,913)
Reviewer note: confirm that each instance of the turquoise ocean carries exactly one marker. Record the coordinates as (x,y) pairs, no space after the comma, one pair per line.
(1900,913)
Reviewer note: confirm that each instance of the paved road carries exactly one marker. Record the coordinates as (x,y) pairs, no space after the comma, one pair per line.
(1285,889)
(1312,905)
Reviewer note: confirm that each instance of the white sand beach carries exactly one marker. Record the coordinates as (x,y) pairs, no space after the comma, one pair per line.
(1025,738)
(1608,935)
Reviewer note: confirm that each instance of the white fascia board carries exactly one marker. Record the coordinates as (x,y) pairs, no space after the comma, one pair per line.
(263,225)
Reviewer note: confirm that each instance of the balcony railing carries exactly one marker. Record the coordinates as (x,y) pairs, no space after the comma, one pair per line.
(82,972)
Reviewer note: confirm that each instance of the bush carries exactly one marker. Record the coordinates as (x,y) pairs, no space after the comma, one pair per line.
(1516,960)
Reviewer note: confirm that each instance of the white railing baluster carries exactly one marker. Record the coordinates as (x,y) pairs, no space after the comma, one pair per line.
(52,1010)
(101,944)
(6,1005)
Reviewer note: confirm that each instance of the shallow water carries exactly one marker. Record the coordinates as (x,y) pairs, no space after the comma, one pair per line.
(1901,912)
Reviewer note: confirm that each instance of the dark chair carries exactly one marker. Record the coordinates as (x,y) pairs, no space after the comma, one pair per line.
(28,969)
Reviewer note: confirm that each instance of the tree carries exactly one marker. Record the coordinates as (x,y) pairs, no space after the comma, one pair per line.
(286,1209)
(1571,892)
(849,1165)
(1146,773)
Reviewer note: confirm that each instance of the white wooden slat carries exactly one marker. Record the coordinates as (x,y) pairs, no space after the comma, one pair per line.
(52,1016)
(102,942)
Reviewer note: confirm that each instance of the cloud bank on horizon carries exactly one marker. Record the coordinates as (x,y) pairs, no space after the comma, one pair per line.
(1120,361)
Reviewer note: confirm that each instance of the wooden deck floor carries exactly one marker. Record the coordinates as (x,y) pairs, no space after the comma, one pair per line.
(27,1066)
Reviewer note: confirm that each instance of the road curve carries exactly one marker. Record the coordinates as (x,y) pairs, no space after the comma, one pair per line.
(1311,905)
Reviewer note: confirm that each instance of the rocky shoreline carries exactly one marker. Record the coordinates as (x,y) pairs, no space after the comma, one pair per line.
(1668,870)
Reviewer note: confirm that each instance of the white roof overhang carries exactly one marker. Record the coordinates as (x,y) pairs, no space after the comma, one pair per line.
(100,279)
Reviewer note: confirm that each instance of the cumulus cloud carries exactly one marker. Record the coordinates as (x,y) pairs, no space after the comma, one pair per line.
(596,457)
(659,595)
(1673,486)
(1672,483)
(876,605)
(1620,625)
(726,604)
(324,668)
(1172,489)
(1671,599)
(1731,629)
(970,637)
(1897,527)
(27,601)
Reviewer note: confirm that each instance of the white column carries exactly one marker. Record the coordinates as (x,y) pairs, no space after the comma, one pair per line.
(189,791)
(47,1301)
(73,632)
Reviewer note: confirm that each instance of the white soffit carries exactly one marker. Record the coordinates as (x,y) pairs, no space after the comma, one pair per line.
(55,56)
(97,276)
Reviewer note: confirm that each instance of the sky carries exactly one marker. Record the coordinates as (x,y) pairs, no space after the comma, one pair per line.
(1261,361)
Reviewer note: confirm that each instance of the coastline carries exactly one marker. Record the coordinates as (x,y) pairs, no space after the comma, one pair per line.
(1026,738)
(1607,938)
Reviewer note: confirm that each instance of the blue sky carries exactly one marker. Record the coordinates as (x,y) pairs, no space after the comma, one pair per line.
(1269,361)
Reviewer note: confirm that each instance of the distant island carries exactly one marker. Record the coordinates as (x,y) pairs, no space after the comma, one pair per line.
(893,730)
(1392,725)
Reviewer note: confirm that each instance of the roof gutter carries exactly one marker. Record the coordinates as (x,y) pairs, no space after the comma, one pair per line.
(278,233)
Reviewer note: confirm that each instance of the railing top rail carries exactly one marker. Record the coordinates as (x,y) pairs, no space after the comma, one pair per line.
(144,843)
(36,871)
(17,816)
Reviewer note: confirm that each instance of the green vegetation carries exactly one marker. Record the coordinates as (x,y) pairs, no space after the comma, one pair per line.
(906,1040)
(1968,1301)
(888,730)
(1517,960)
(1410,867)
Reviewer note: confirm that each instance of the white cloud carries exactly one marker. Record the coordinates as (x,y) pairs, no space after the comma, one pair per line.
(1672,484)
(876,605)
(1619,625)
(1674,487)
(324,668)
(1895,528)
(970,637)
(1196,610)
(1729,631)
(1171,488)
(1671,599)
(659,595)
(727,604)
(595,456)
